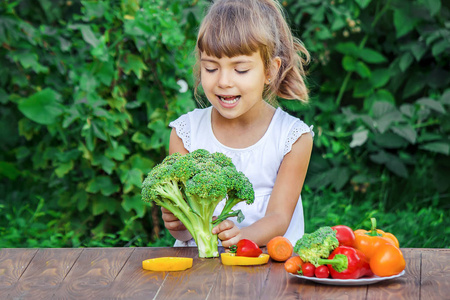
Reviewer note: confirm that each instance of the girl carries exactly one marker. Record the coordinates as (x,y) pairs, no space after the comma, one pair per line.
(246,57)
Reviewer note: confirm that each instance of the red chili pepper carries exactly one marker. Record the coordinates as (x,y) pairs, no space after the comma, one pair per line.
(347,263)
(345,235)
(246,248)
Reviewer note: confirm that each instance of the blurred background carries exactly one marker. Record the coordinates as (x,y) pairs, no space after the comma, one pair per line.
(87,89)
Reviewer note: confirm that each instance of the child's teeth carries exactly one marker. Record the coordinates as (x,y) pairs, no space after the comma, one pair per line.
(229,101)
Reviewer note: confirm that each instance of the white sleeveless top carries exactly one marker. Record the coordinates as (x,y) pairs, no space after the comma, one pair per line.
(259,162)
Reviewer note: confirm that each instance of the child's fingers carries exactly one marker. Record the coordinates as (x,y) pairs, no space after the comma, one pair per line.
(222,226)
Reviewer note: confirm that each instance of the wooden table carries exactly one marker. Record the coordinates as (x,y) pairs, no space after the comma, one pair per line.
(116,273)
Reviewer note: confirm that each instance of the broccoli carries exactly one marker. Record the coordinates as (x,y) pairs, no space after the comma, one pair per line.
(311,247)
(191,186)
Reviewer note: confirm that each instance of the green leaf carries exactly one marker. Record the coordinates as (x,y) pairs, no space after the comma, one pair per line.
(88,35)
(363,3)
(362,69)
(371,56)
(438,147)
(380,77)
(405,61)
(440,47)
(29,60)
(43,107)
(349,63)
(64,168)
(390,140)
(131,178)
(433,6)
(432,104)
(106,164)
(117,153)
(403,21)
(133,63)
(414,85)
(418,50)
(396,166)
(359,138)
(8,170)
(101,205)
(445,99)
(102,184)
(134,203)
(407,132)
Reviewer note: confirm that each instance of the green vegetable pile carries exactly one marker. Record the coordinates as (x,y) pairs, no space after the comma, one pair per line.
(191,186)
(312,247)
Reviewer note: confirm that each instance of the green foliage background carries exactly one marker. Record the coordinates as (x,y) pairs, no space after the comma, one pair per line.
(87,89)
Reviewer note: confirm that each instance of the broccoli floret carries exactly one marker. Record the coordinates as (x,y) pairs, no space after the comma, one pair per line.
(191,186)
(311,247)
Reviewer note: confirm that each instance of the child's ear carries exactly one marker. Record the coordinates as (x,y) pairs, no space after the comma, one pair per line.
(273,69)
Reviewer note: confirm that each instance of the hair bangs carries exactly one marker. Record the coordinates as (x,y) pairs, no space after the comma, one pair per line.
(230,32)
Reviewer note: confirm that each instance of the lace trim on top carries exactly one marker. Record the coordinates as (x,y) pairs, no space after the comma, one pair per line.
(183,128)
(297,130)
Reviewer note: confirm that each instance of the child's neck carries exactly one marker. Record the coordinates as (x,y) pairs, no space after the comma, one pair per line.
(244,131)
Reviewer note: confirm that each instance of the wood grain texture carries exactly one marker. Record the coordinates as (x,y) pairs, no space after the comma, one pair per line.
(13,263)
(45,273)
(92,275)
(435,277)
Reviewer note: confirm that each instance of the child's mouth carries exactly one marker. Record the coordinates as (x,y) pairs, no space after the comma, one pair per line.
(229,99)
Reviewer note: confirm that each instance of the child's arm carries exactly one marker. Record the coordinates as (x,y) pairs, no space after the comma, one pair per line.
(283,199)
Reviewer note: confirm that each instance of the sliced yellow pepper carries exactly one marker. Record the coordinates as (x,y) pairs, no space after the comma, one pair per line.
(167,264)
(230,259)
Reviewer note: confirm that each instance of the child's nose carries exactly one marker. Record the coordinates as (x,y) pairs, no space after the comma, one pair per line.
(224,80)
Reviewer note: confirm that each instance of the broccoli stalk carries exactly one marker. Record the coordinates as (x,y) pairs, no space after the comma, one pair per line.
(191,186)
(312,247)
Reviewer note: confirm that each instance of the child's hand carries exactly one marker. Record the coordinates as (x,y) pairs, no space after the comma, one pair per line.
(170,221)
(228,233)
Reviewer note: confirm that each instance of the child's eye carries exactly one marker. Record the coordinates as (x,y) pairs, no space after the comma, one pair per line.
(241,72)
(210,70)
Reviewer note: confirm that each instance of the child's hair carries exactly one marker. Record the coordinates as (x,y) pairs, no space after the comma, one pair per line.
(242,27)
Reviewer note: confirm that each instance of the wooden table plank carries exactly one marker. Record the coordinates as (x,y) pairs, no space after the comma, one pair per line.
(93,273)
(240,282)
(435,282)
(195,283)
(13,263)
(133,282)
(46,271)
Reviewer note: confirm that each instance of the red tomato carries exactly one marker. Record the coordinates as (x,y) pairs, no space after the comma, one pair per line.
(345,235)
(308,269)
(322,272)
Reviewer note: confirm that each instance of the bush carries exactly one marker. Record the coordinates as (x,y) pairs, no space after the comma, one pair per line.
(87,90)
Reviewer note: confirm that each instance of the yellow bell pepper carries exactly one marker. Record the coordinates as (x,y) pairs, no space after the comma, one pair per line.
(167,264)
(230,259)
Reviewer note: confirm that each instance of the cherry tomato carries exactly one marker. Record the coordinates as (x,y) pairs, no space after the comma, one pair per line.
(322,272)
(308,269)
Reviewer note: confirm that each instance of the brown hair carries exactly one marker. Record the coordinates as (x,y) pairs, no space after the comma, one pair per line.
(242,27)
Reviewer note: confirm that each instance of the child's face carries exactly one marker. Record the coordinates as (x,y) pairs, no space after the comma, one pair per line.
(233,85)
